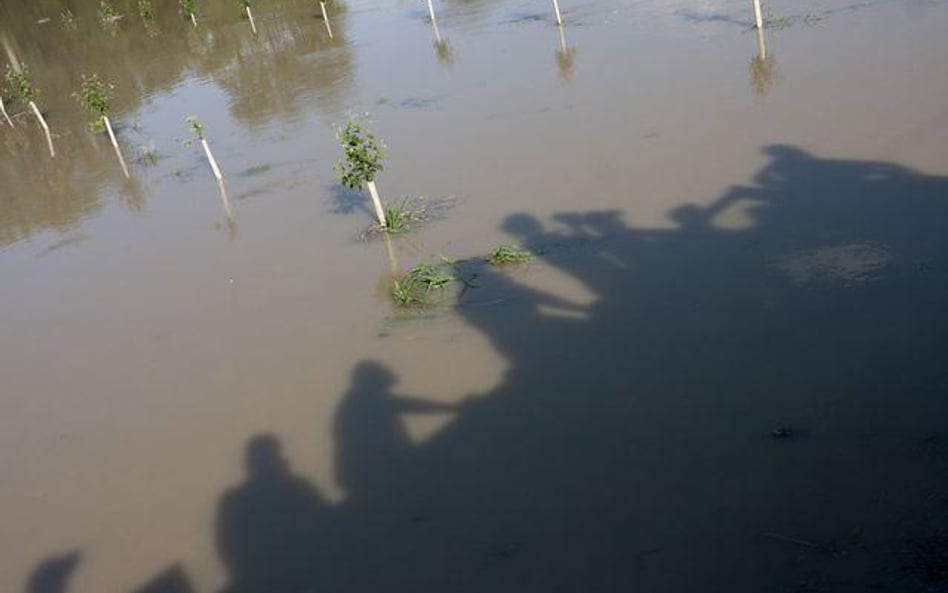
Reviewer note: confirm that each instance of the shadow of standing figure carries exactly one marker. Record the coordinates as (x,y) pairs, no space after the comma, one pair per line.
(267,526)
(52,575)
(370,436)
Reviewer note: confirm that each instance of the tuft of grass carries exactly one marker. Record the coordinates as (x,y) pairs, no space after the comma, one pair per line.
(401,218)
(509,254)
(421,285)
(811,18)
(107,14)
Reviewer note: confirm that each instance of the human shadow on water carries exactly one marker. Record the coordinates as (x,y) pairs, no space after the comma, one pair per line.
(52,575)
(738,408)
(267,526)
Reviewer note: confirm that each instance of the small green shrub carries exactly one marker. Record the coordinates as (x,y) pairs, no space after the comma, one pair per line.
(146,11)
(95,97)
(362,155)
(197,128)
(509,254)
(107,15)
(20,83)
(187,8)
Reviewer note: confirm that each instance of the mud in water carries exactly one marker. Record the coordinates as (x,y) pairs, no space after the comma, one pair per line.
(725,368)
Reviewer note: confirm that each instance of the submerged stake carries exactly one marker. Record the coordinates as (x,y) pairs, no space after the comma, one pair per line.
(49,138)
(118,151)
(3,109)
(212,160)
(556,9)
(322,5)
(252,24)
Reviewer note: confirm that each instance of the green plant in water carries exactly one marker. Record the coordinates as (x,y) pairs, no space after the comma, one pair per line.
(400,218)
(509,254)
(197,128)
(244,4)
(187,8)
(811,18)
(146,11)
(419,286)
(95,97)
(106,13)
(20,83)
(363,154)
(68,19)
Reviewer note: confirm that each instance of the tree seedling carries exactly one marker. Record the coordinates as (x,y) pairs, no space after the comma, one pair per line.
(189,11)
(509,254)
(197,128)
(107,15)
(362,161)
(95,96)
(146,11)
(245,4)
(21,84)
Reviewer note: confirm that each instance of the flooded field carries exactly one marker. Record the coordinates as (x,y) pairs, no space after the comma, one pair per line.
(724,369)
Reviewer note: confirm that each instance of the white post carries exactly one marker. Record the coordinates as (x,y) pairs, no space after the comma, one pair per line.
(379,212)
(193,20)
(563,47)
(322,5)
(758,16)
(761,46)
(252,24)
(225,200)
(212,160)
(49,138)
(4,110)
(559,17)
(434,22)
(118,151)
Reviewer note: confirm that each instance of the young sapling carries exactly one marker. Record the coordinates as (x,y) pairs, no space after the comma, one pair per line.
(197,128)
(21,83)
(95,96)
(362,161)
(146,11)
(246,6)
(189,11)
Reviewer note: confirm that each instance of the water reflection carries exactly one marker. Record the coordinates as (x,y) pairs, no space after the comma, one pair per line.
(290,67)
(565,57)
(764,75)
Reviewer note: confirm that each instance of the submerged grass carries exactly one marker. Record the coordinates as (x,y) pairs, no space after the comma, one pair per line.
(400,218)
(421,286)
(509,254)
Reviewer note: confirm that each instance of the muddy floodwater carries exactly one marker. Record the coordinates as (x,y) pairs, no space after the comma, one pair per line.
(724,369)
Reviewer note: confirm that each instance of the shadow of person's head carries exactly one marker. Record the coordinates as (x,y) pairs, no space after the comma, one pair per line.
(372,377)
(264,457)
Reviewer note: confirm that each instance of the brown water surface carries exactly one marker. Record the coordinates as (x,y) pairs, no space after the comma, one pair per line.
(725,370)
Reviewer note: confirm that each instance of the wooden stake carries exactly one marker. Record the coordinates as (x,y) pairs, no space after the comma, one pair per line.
(212,160)
(761,46)
(559,17)
(193,20)
(379,212)
(563,47)
(49,137)
(4,110)
(252,24)
(115,144)
(322,5)
(758,16)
